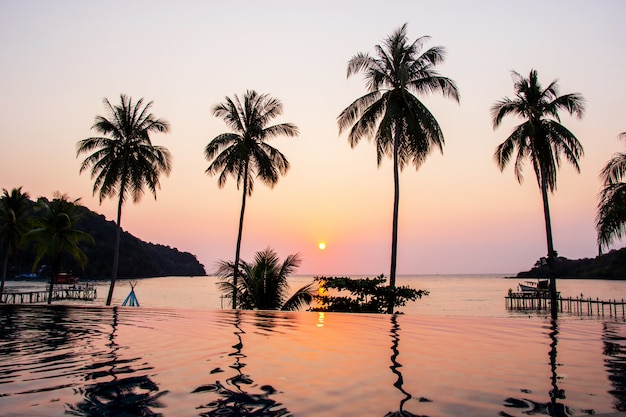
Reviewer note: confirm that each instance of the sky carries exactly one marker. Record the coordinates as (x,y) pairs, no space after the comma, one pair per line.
(458,213)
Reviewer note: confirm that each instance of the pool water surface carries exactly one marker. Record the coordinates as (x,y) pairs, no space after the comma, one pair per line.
(91,361)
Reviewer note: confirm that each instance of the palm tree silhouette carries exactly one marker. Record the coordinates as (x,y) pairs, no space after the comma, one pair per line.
(611,218)
(244,153)
(401,125)
(263,284)
(125,160)
(541,138)
(13,225)
(55,234)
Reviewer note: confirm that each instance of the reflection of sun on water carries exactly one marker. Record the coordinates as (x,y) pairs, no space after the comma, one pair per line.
(320,319)
(321,292)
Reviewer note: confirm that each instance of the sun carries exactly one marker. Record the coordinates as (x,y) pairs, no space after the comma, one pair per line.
(322,245)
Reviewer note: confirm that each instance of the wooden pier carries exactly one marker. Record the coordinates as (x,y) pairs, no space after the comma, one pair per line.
(578,306)
(85,292)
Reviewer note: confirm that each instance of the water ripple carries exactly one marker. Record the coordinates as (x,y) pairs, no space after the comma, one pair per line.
(108,361)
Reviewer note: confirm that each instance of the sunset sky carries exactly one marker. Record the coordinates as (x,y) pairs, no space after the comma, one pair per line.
(458,212)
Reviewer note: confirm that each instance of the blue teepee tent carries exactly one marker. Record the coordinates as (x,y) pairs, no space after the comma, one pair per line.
(131,299)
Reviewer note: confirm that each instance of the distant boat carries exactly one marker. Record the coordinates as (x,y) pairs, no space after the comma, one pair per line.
(34,275)
(27,276)
(535,288)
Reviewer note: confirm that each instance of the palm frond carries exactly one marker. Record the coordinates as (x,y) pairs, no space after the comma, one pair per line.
(13,220)
(435,83)
(301,298)
(503,108)
(353,112)
(55,234)
(564,142)
(283,129)
(611,217)
(614,169)
(366,125)
(573,103)
(360,62)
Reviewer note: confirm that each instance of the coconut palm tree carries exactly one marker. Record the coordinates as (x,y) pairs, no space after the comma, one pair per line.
(401,125)
(55,234)
(541,139)
(13,225)
(611,218)
(124,160)
(244,153)
(263,284)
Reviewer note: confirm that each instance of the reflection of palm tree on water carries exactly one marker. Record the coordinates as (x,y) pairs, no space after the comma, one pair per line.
(395,368)
(135,395)
(615,352)
(236,401)
(553,407)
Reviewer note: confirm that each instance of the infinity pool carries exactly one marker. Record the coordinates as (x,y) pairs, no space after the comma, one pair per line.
(94,361)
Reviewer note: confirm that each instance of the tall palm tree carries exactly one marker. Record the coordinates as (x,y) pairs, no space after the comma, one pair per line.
(401,125)
(55,235)
(124,160)
(244,153)
(263,284)
(13,225)
(541,138)
(611,218)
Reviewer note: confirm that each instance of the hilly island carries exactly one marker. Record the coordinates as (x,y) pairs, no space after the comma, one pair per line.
(611,265)
(137,258)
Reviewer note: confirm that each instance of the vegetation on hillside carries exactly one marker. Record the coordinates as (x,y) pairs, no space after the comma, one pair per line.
(138,259)
(611,265)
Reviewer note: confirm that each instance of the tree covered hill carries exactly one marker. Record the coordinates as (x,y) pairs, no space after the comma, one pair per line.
(611,265)
(138,259)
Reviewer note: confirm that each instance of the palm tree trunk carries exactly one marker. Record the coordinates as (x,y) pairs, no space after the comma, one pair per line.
(394,228)
(551,253)
(56,267)
(4,272)
(239,234)
(116,253)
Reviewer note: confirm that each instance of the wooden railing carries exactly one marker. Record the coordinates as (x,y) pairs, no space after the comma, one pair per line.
(86,291)
(578,305)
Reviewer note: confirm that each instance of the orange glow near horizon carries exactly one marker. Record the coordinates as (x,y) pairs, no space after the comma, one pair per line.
(458,213)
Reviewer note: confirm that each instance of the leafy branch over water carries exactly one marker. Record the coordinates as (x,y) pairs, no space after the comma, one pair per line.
(367,295)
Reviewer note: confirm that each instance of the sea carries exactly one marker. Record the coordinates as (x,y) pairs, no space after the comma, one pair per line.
(184,352)
(449,295)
